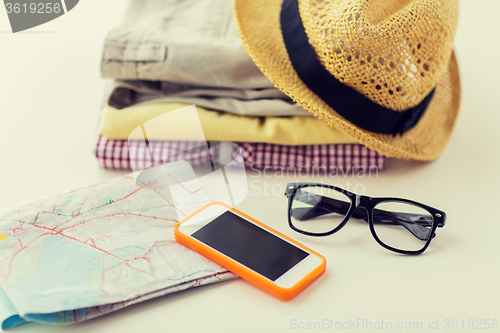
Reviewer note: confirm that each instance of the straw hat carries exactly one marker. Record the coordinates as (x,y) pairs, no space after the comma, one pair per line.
(381,71)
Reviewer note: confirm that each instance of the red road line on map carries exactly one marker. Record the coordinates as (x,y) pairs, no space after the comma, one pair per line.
(72,226)
(55,232)
(77,240)
(153,217)
(169,202)
(16,228)
(10,264)
(15,254)
(150,273)
(119,214)
(91,241)
(155,244)
(128,195)
(57,195)
(103,279)
(105,270)
(125,197)
(183,185)
(151,269)
(83,203)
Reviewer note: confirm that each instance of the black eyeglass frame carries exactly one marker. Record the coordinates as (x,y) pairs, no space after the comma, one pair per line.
(368,203)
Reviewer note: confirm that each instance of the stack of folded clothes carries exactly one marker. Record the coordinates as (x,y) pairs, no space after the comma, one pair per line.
(169,54)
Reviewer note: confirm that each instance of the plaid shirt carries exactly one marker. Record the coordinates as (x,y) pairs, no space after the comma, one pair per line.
(120,154)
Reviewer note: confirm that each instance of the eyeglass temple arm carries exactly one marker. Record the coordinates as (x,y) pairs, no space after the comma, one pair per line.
(414,223)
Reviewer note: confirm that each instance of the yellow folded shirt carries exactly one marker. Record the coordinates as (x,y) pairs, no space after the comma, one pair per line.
(222,126)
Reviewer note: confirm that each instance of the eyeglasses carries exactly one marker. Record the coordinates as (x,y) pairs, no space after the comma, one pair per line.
(399,225)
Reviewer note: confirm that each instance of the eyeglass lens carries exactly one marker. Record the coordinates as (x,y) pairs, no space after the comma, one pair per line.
(402,225)
(397,224)
(317,209)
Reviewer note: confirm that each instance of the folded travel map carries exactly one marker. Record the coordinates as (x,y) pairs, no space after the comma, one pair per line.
(85,253)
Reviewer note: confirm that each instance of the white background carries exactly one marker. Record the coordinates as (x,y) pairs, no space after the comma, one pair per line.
(50,92)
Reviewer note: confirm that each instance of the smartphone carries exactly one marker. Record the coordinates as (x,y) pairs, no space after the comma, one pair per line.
(250,249)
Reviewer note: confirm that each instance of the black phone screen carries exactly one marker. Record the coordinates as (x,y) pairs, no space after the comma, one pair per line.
(250,245)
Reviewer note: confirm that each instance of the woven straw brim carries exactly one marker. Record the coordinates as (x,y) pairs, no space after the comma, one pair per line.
(258,23)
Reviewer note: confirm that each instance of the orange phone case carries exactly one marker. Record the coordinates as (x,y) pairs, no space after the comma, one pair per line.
(243,271)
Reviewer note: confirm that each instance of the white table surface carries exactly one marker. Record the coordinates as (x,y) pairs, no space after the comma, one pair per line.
(50,90)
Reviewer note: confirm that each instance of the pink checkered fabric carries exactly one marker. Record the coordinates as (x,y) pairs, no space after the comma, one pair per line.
(120,154)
